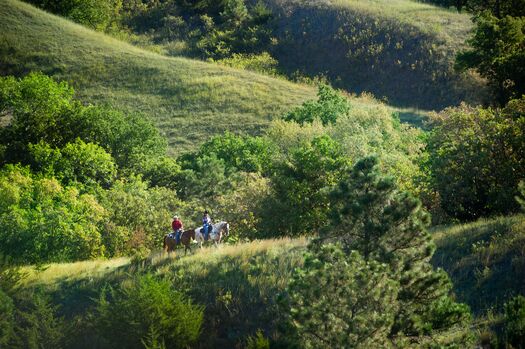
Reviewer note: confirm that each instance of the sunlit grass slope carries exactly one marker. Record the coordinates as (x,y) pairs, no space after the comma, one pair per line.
(238,285)
(186,99)
(485,260)
(399,49)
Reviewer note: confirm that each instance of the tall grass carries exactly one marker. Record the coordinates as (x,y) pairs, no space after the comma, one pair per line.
(485,259)
(401,50)
(187,99)
(239,285)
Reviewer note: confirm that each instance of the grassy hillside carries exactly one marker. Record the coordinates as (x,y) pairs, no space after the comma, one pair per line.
(186,99)
(238,285)
(485,259)
(400,49)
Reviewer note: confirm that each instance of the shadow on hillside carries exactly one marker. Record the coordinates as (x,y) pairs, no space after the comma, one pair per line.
(485,260)
(359,52)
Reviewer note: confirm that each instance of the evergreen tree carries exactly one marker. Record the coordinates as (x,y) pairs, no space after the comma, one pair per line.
(498,53)
(387,227)
(342,301)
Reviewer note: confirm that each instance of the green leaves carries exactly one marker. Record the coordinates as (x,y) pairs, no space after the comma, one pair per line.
(328,108)
(41,221)
(476,159)
(145,307)
(342,301)
(498,54)
(382,240)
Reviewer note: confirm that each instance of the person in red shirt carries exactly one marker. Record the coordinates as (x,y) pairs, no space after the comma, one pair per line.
(177,227)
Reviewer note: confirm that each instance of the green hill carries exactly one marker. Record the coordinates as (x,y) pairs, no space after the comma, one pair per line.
(400,49)
(485,260)
(239,286)
(186,99)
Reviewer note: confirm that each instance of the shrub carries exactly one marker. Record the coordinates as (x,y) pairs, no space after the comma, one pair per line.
(258,341)
(42,221)
(145,307)
(476,159)
(514,322)
(37,323)
(262,63)
(329,106)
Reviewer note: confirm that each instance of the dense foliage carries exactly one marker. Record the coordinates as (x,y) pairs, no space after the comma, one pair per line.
(144,311)
(498,53)
(327,109)
(82,195)
(499,8)
(476,159)
(385,251)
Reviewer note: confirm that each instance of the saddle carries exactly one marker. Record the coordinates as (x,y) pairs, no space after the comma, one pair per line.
(210,229)
(175,236)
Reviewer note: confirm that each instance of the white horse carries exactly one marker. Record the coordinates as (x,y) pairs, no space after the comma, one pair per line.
(218,231)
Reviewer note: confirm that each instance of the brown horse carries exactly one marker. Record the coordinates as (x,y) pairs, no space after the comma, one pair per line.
(186,237)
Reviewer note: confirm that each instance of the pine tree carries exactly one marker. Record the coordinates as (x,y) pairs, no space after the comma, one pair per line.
(342,301)
(385,226)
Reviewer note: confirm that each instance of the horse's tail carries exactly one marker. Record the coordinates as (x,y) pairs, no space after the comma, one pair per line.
(164,244)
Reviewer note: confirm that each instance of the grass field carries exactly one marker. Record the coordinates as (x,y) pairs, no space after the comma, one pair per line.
(398,49)
(485,260)
(187,99)
(238,285)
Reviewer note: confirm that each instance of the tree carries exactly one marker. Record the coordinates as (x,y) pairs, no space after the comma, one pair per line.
(80,162)
(329,106)
(97,14)
(239,153)
(498,53)
(476,159)
(342,301)
(299,204)
(42,221)
(370,216)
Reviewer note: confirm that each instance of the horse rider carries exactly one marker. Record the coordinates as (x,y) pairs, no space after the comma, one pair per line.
(177,227)
(206,223)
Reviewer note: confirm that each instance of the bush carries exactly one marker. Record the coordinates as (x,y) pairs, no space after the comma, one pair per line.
(42,221)
(328,108)
(262,63)
(514,322)
(7,318)
(476,159)
(145,307)
(37,323)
